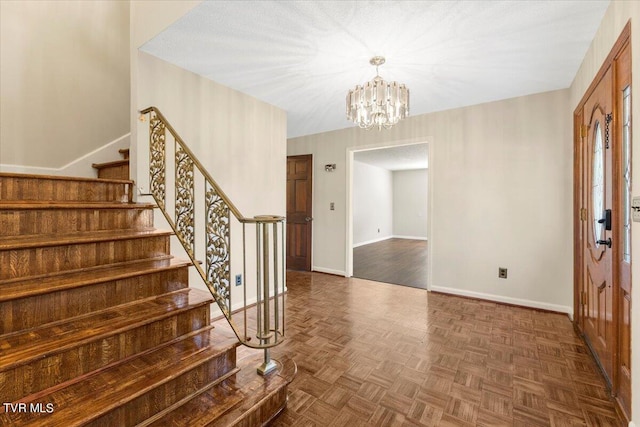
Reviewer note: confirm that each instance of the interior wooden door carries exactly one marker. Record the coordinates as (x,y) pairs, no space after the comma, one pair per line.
(598,253)
(299,211)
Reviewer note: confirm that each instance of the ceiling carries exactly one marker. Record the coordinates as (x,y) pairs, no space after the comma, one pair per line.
(303,56)
(404,157)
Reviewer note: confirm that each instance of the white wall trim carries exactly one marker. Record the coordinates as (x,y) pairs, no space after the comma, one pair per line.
(329,271)
(78,167)
(217,313)
(410,237)
(508,300)
(632,424)
(368,242)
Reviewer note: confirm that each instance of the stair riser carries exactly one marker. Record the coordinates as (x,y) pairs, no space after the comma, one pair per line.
(68,303)
(84,358)
(59,190)
(261,414)
(29,262)
(114,172)
(165,395)
(50,221)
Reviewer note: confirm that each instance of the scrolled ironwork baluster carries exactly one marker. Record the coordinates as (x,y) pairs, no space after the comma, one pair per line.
(157,164)
(185,199)
(218,241)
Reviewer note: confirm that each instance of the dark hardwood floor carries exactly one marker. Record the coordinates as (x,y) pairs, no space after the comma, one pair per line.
(373,354)
(397,261)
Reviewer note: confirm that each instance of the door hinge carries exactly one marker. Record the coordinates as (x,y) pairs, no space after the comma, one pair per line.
(583,131)
(583,298)
(583,214)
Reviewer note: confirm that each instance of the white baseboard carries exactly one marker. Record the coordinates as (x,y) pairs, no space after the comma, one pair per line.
(80,167)
(410,237)
(632,424)
(368,242)
(329,271)
(215,310)
(507,300)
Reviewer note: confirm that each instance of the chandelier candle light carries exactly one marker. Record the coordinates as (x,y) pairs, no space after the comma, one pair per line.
(378,103)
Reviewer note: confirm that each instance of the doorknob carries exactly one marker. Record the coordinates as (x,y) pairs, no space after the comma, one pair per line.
(308,219)
(605,242)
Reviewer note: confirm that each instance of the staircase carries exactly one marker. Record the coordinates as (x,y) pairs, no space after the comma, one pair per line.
(117,169)
(98,325)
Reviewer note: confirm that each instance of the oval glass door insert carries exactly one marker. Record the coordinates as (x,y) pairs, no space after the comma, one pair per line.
(597,184)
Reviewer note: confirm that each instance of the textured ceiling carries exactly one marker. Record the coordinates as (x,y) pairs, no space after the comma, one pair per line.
(303,56)
(404,157)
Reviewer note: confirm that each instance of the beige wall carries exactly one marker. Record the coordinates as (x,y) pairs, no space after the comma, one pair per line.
(499,193)
(618,14)
(410,203)
(64,80)
(240,140)
(148,19)
(372,203)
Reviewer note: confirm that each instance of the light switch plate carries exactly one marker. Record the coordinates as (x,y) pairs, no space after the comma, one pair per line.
(635,209)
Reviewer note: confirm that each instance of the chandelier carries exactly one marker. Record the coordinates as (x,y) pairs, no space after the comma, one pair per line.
(378,103)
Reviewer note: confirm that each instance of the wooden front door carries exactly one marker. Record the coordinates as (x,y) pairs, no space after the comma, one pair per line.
(598,201)
(603,219)
(299,212)
(622,295)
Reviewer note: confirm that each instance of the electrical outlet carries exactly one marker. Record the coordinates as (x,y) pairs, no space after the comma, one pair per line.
(635,209)
(238,279)
(502,273)
(332,206)
(378,230)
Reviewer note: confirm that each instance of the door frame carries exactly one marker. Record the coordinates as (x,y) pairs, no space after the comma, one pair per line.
(349,201)
(579,229)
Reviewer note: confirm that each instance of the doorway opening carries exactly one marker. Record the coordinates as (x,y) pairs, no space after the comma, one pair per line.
(389,214)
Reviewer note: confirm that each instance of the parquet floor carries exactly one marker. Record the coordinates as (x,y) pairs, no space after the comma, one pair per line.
(396,261)
(373,354)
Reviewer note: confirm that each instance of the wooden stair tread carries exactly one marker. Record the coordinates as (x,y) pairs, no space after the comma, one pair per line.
(98,321)
(37,204)
(202,408)
(124,152)
(67,280)
(229,402)
(113,163)
(44,240)
(63,178)
(25,346)
(123,382)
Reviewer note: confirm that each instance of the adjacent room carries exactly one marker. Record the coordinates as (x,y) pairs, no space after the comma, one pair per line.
(389,209)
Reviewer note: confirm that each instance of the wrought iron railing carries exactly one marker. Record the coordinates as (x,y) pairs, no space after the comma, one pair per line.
(205,233)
